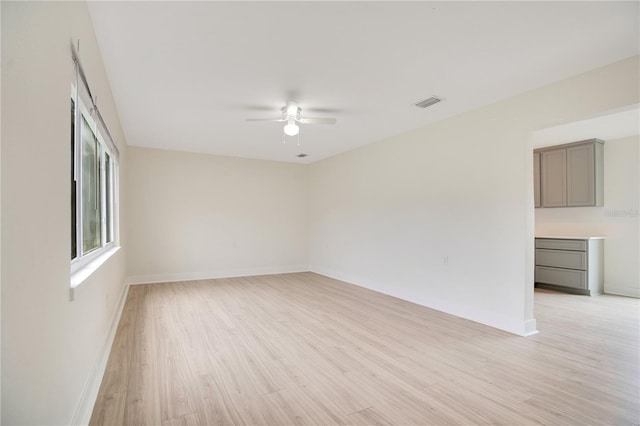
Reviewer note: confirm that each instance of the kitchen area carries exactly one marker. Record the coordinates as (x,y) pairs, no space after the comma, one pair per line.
(586,193)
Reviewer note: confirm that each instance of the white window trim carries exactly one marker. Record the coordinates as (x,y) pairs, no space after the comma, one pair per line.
(85,271)
(85,264)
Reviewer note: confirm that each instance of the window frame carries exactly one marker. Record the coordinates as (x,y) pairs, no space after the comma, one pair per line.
(82,258)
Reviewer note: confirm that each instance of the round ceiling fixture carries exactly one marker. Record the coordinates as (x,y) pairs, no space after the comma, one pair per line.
(291,129)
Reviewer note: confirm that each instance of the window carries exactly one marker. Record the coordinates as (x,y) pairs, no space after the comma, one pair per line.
(93,182)
(108,192)
(74,218)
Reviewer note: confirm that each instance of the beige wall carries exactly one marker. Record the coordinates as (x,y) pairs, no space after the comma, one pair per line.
(617,219)
(443,215)
(50,345)
(195,216)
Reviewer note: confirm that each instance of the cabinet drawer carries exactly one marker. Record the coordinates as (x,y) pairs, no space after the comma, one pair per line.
(561,258)
(563,277)
(580,245)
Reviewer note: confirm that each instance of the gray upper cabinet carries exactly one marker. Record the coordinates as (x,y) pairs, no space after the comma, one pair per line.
(554,178)
(571,175)
(584,165)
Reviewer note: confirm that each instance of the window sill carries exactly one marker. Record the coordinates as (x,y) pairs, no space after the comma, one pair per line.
(81,275)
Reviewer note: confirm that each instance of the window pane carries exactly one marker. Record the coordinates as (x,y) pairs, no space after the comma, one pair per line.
(109,195)
(74,247)
(90,190)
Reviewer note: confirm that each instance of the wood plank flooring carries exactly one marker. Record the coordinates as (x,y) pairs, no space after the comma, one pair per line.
(305,349)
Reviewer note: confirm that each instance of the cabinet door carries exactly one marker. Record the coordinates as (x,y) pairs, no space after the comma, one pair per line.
(554,178)
(536,179)
(581,176)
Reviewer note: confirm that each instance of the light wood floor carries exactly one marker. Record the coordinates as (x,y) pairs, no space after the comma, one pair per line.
(306,349)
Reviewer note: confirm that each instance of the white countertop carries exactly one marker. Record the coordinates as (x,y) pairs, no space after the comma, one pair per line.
(556,237)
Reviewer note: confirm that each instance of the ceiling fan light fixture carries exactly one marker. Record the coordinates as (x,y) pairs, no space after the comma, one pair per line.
(292,109)
(292,117)
(291,129)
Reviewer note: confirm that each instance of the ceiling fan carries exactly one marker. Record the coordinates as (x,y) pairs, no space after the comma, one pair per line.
(292,115)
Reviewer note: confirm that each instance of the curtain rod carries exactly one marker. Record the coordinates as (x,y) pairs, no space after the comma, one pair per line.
(76,60)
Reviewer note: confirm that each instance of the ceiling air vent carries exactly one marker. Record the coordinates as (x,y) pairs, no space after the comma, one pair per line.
(301,155)
(428,102)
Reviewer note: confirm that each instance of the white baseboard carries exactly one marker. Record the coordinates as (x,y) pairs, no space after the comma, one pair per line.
(530,327)
(90,391)
(622,291)
(512,325)
(228,273)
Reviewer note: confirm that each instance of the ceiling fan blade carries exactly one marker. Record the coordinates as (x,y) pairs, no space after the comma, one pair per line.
(266,119)
(317,121)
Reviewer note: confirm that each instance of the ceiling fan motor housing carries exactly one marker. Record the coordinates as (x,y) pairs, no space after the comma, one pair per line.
(291,110)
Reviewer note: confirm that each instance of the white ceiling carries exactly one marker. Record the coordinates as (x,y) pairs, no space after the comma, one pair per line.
(608,126)
(186,75)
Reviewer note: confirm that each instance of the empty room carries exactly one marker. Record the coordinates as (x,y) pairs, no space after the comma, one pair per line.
(320,212)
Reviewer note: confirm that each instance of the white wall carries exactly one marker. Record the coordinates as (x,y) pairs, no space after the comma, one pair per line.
(50,345)
(0,229)
(617,219)
(195,216)
(443,215)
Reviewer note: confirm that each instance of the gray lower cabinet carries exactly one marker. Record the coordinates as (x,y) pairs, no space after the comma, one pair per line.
(574,265)
(570,175)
